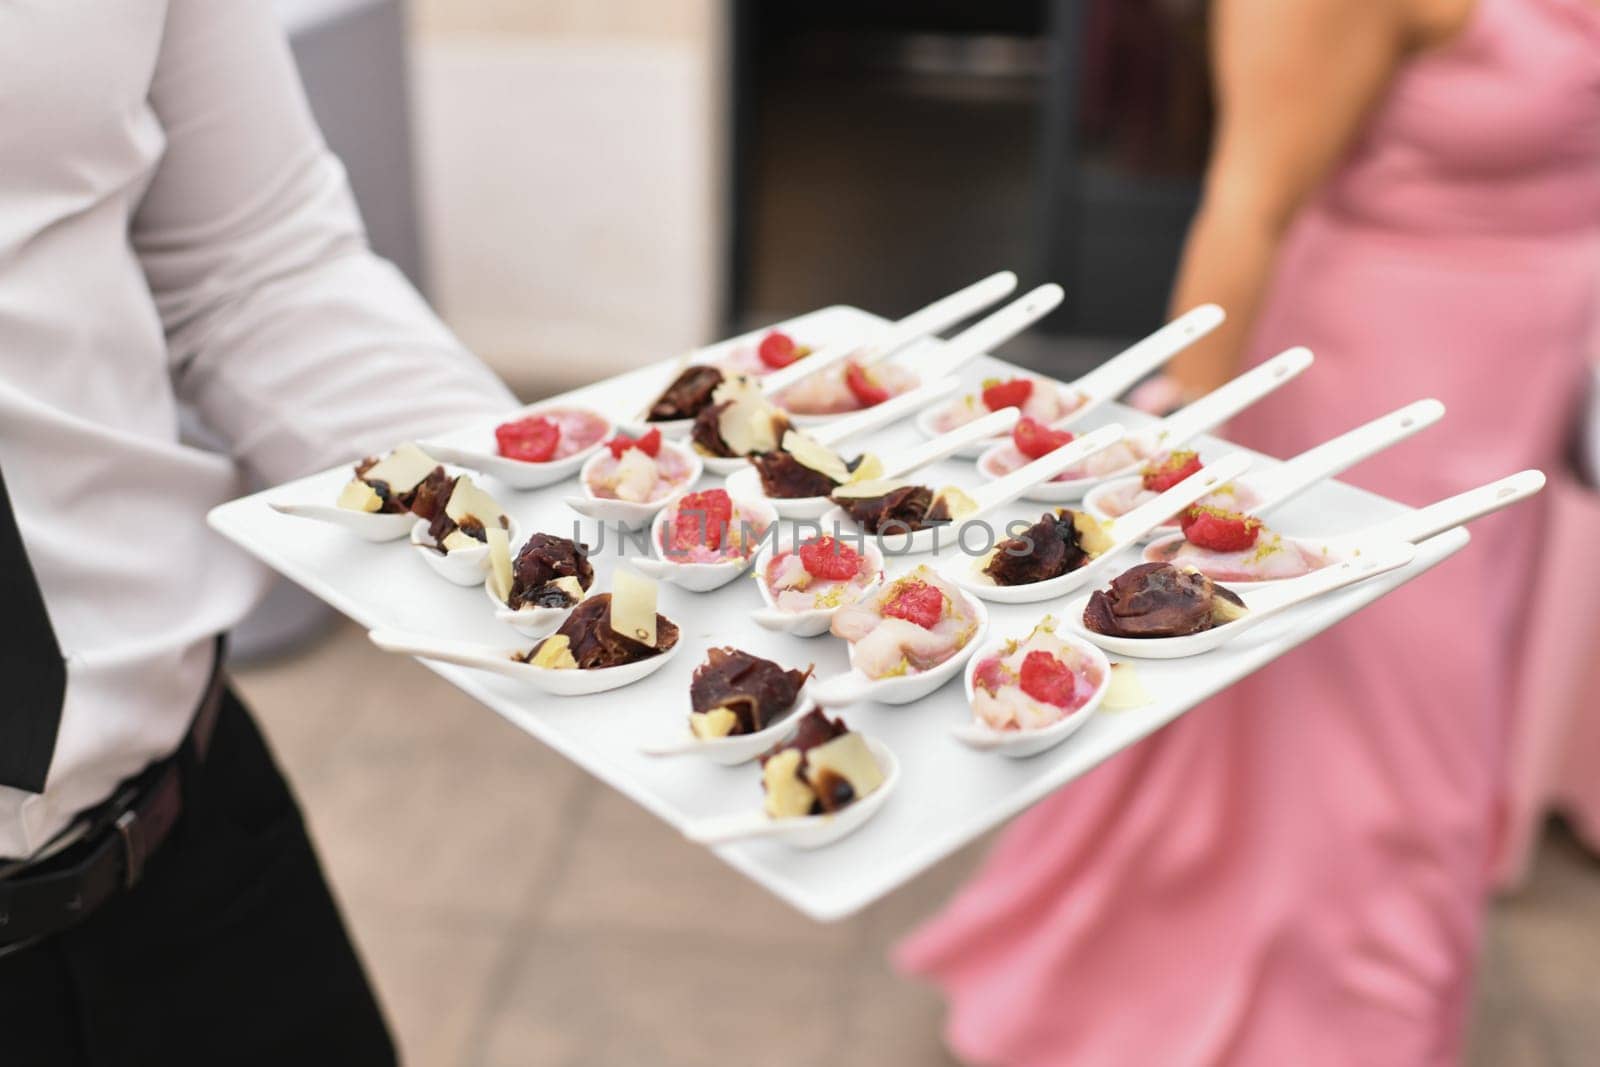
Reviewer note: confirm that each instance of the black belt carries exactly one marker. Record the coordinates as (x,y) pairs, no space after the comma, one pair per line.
(122,834)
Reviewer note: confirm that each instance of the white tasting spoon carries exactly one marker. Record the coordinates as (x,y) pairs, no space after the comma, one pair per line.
(854,687)
(1175,430)
(737,748)
(460,566)
(981,337)
(629,514)
(1109,380)
(1261,491)
(376,526)
(1260,606)
(1125,533)
(1316,553)
(988,496)
(806,831)
(483,454)
(1019,744)
(747,483)
(563,683)
(807,622)
(889,339)
(704,577)
(533,621)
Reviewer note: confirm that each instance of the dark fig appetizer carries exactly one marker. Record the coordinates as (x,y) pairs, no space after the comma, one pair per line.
(1160,600)
(689,394)
(734,692)
(1059,543)
(825,767)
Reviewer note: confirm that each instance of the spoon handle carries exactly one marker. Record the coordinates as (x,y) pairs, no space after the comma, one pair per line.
(991,332)
(1343,452)
(1121,372)
(1147,516)
(458,652)
(869,419)
(937,448)
(723,829)
(1005,489)
(1462,508)
(942,313)
(1374,560)
(1223,403)
(851,687)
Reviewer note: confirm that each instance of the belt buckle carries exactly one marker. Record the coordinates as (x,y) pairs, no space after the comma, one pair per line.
(133,847)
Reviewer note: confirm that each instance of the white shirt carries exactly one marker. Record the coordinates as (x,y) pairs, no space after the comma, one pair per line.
(173,231)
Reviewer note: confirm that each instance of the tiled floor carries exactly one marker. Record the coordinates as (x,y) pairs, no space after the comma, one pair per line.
(516,913)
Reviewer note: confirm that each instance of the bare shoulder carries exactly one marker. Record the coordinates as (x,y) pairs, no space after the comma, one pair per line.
(1434,23)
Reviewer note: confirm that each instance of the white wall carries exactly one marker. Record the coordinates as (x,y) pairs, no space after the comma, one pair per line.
(570,168)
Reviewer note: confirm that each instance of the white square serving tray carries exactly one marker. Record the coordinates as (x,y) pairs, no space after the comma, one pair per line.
(949,794)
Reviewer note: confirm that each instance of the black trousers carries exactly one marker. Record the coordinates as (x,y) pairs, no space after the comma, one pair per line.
(229,952)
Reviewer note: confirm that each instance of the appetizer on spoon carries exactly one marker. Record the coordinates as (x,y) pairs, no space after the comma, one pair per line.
(1158,611)
(534,593)
(691,391)
(805,585)
(1053,403)
(380,502)
(541,446)
(1262,490)
(1239,549)
(742,705)
(823,784)
(634,478)
(916,513)
(1032,694)
(707,539)
(454,539)
(1067,549)
(1176,430)
(798,479)
(855,386)
(610,640)
(906,640)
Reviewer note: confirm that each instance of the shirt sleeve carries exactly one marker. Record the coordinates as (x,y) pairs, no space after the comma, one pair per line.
(294,342)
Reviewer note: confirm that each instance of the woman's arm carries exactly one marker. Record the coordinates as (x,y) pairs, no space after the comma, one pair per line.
(295,342)
(1294,80)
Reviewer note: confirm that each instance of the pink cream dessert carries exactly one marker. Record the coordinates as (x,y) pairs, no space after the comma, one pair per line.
(820,575)
(1034,683)
(550,434)
(1036,398)
(640,471)
(912,624)
(710,527)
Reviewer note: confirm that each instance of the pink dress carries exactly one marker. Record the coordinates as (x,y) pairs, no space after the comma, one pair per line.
(1295,873)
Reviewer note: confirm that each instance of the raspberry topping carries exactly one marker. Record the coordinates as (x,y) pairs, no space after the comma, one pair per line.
(1034,439)
(1009,394)
(1220,530)
(777,350)
(868,392)
(702,519)
(831,559)
(648,443)
(532,440)
(1167,471)
(1047,680)
(917,602)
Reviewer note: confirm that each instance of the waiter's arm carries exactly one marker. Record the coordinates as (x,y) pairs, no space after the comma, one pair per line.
(294,341)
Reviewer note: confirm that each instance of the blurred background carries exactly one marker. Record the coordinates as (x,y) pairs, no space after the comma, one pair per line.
(581,187)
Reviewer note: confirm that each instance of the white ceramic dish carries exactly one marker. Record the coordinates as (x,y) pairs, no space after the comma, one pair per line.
(700,577)
(1266,490)
(1263,604)
(853,687)
(813,622)
(1125,533)
(1413,528)
(740,748)
(808,831)
(1176,430)
(1020,744)
(948,796)
(626,513)
(498,661)
(1113,377)
(990,496)
(463,566)
(529,622)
